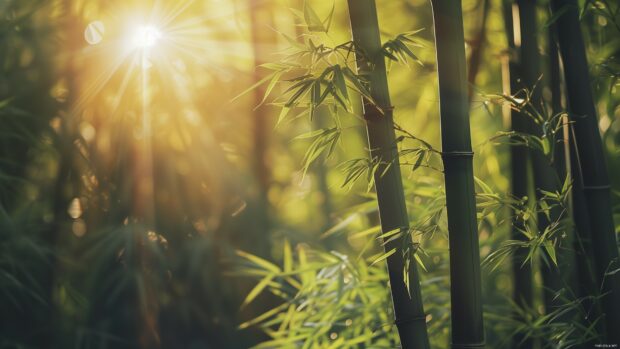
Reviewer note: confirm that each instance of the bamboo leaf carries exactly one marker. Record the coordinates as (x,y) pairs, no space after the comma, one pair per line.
(283,113)
(328,21)
(557,14)
(419,261)
(313,22)
(263,316)
(257,289)
(340,83)
(274,80)
(384,256)
(485,188)
(390,233)
(310,134)
(548,245)
(253,87)
(259,261)
(364,233)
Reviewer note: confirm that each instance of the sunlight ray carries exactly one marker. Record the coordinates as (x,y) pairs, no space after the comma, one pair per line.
(100,81)
(124,84)
(175,12)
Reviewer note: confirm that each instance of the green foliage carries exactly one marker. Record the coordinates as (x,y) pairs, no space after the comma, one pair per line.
(323,141)
(25,263)
(398,49)
(543,137)
(549,239)
(604,9)
(328,300)
(558,328)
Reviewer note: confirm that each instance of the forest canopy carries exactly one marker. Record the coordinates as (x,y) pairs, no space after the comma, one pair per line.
(309,174)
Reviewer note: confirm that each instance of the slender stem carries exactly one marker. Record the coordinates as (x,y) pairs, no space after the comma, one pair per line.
(477,49)
(408,309)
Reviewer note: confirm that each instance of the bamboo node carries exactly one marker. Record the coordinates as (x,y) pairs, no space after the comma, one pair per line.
(457,154)
(409,320)
(468,345)
(596,187)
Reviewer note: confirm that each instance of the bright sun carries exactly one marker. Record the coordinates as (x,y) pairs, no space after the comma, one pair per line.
(146,36)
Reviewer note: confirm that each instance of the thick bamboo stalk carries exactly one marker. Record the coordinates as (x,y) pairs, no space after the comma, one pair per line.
(591,161)
(586,275)
(519,158)
(408,308)
(465,284)
(565,162)
(566,275)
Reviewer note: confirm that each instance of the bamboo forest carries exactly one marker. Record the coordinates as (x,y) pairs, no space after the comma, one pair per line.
(312,174)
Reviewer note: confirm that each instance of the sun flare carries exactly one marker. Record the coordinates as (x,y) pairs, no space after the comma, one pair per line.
(146,36)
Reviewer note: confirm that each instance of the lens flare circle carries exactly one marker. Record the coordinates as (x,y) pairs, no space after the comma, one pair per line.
(94,32)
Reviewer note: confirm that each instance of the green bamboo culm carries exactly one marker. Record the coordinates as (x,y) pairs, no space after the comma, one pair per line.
(590,161)
(465,281)
(546,176)
(571,262)
(583,282)
(519,159)
(409,313)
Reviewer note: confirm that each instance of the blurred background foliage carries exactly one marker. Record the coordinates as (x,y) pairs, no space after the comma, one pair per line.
(143,205)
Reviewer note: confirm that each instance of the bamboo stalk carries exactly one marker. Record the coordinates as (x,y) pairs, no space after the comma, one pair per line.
(466,298)
(409,313)
(587,281)
(565,275)
(519,158)
(565,164)
(545,175)
(477,48)
(591,161)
